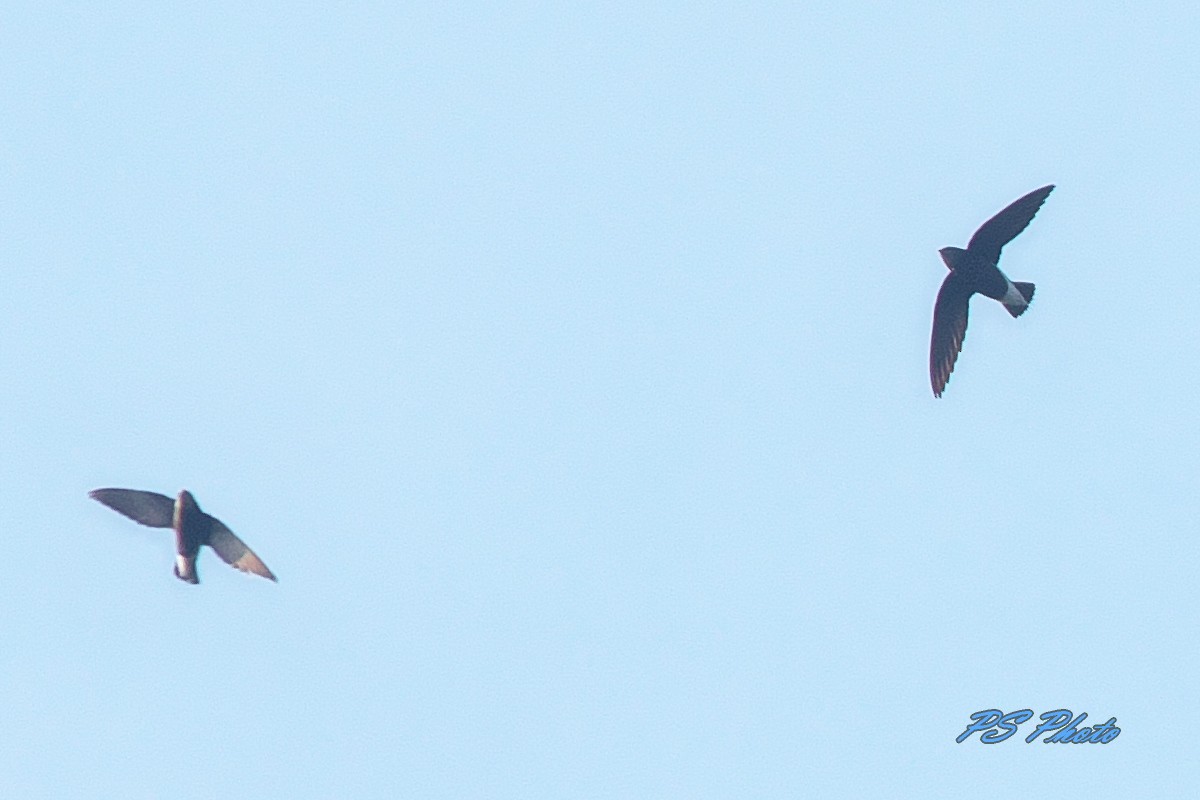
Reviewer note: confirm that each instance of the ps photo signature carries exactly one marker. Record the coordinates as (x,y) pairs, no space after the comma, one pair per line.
(993,726)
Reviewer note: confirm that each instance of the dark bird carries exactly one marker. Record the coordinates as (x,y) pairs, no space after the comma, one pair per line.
(974,270)
(192,528)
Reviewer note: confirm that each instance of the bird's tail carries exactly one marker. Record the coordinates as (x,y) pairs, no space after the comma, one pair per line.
(1015,304)
(185,569)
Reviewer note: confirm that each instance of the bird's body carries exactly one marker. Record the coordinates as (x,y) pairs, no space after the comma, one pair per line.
(192,527)
(984,278)
(188,521)
(975,270)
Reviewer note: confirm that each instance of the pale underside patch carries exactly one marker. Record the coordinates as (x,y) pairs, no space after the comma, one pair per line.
(1013,297)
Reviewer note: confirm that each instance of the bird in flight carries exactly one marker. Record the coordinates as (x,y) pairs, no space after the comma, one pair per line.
(974,270)
(192,528)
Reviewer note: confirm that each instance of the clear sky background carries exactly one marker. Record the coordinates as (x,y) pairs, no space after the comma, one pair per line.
(568,364)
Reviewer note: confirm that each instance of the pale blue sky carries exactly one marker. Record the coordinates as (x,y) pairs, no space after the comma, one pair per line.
(568,364)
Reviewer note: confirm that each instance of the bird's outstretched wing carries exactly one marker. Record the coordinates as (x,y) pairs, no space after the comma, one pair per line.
(148,508)
(1004,227)
(949,330)
(234,552)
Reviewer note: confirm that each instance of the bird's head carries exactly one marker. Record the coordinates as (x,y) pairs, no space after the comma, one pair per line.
(953,256)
